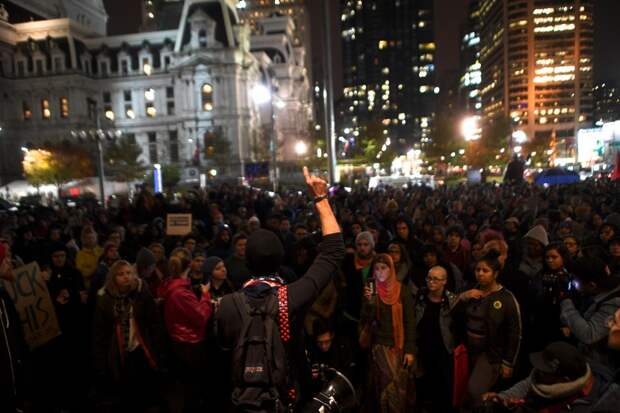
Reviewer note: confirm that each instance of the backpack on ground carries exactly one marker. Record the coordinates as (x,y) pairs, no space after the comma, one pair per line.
(260,365)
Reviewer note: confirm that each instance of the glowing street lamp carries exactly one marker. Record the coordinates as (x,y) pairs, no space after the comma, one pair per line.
(301,148)
(261,94)
(470,128)
(519,137)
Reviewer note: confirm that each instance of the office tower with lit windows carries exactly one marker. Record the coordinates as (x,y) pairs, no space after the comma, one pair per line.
(389,71)
(471,73)
(536,58)
(606,103)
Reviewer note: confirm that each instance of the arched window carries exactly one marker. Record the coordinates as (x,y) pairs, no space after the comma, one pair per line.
(202,38)
(207,97)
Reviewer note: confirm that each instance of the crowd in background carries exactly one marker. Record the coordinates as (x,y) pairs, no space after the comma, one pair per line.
(502,271)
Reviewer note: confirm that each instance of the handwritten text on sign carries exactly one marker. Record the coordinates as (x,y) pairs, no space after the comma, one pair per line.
(34,305)
(178,224)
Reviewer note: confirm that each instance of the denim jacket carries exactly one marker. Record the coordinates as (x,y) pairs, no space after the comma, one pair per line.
(591,328)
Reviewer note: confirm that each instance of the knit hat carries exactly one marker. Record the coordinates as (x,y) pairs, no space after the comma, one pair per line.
(209,265)
(264,253)
(365,235)
(144,259)
(539,234)
(561,359)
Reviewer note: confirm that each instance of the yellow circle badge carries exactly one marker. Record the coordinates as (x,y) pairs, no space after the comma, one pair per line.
(497,305)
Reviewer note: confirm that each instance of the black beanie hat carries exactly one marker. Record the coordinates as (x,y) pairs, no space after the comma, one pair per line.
(264,253)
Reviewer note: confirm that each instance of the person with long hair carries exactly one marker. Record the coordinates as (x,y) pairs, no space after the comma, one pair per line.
(127,342)
(544,317)
(186,319)
(493,328)
(392,342)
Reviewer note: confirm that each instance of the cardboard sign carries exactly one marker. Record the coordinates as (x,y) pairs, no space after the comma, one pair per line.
(34,305)
(178,224)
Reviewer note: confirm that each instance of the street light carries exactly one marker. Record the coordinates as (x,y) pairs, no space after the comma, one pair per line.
(301,148)
(519,137)
(470,128)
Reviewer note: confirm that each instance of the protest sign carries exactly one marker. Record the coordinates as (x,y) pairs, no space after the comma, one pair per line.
(34,305)
(178,224)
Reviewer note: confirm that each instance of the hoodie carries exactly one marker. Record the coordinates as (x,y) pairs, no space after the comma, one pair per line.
(185,315)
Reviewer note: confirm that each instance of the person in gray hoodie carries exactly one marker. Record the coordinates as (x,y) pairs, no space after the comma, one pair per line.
(535,242)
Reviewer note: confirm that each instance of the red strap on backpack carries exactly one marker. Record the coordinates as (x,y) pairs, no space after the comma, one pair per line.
(283,321)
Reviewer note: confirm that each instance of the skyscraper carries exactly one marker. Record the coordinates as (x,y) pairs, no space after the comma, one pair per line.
(536,58)
(389,70)
(471,73)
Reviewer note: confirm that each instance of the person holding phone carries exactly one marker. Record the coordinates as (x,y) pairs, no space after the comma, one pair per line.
(390,307)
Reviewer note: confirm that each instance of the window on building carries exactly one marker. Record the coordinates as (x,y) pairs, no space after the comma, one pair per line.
(202,38)
(127,95)
(129,112)
(87,67)
(150,110)
(174,145)
(146,66)
(21,68)
(26,111)
(103,68)
(170,100)
(64,107)
(58,64)
(124,66)
(153,147)
(38,63)
(107,97)
(45,109)
(207,97)
(166,61)
(108,112)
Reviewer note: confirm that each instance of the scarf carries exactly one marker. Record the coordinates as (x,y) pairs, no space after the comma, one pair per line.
(123,313)
(389,293)
(363,264)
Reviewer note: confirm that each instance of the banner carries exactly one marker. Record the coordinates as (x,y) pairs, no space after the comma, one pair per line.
(178,224)
(34,305)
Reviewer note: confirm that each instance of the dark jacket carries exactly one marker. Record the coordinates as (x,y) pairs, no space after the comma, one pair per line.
(502,325)
(445,316)
(108,358)
(301,294)
(354,290)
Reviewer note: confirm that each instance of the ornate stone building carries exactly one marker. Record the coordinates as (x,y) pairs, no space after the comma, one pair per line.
(169,90)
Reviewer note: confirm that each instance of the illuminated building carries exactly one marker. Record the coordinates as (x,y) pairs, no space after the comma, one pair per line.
(389,70)
(169,90)
(536,59)
(606,103)
(471,69)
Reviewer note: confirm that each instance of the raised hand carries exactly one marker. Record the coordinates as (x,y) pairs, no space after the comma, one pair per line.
(316,186)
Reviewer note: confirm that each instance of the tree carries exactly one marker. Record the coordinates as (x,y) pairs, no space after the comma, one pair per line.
(486,150)
(57,165)
(217,149)
(170,176)
(444,138)
(122,161)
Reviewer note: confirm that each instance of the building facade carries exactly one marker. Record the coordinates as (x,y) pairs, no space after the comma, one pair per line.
(536,60)
(169,90)
(389,71)
(606,103)
(471,69)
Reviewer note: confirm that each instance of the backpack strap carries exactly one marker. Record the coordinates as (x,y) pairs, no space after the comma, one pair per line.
(283,319)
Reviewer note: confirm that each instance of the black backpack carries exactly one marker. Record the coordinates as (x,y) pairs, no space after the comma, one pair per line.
(260,364)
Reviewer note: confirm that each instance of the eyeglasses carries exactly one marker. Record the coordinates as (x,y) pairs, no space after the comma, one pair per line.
(434,279)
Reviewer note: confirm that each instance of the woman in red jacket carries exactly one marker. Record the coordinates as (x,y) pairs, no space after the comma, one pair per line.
(186,319)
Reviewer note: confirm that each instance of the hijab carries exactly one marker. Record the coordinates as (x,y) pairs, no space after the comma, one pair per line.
(389,294)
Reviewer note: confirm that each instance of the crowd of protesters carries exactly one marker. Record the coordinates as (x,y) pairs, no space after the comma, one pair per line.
(525,278)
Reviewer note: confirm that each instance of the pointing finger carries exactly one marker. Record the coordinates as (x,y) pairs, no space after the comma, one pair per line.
(306,174)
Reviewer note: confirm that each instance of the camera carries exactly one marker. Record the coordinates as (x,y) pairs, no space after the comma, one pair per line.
(559,285)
